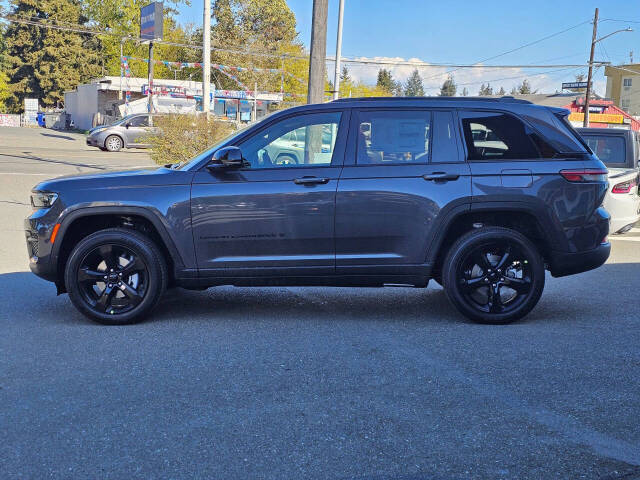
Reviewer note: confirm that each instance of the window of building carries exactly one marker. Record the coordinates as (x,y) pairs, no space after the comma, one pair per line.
(393,137)
(500,136)
(625,103)
(626,82)
(300,141)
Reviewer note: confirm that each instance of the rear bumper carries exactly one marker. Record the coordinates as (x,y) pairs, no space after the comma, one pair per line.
(563,263)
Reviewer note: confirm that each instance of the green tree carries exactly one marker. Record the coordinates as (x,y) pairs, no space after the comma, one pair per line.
(5,92)
(386,82)
(485,90)
(344,75)
(413,87)
(449,88)
(44,62)
(501,92)
(266,26)
(525,88)
(514,91)
(465,92)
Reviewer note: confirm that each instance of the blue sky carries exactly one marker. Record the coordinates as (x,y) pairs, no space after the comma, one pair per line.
(469,31)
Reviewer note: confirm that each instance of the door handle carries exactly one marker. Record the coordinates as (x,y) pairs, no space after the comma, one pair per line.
(441,176)
(310,181)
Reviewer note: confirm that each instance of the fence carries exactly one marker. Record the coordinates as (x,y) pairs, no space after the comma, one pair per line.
(9,120)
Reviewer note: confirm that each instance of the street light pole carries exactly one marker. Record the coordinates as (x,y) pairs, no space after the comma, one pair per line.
(588,93)
(336,77)
(206,56)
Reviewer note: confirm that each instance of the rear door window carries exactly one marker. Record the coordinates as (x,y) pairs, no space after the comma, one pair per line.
(500,136)
(387,137)
(611,149)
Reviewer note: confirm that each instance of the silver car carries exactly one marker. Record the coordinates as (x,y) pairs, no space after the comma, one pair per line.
(619,149)
(131,131)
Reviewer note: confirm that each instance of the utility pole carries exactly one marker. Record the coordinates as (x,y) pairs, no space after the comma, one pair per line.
(318,51)
(336,77)
(150,79)
(206,57)
(590,74)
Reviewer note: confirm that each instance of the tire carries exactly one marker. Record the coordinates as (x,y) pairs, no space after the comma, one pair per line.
(116,276)
(113,143)
(498,265)
(103,149)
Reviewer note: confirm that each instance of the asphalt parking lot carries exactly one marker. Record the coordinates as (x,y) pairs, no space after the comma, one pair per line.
(297,383)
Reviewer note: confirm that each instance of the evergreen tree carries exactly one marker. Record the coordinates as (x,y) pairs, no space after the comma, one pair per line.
(449,88)
(386,82)
(514,91)
(485,90)
(344,75)
(413,87)
(465,92)
(525,88)
(44,62)
(502,92)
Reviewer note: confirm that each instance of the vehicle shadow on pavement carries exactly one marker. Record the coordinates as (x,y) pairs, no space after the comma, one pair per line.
(565,300)
(64,137)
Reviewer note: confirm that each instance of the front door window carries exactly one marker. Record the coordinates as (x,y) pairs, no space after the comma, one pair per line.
(301,141)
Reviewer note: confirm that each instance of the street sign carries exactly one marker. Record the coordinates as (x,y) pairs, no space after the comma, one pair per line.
(570,85)
(151,21)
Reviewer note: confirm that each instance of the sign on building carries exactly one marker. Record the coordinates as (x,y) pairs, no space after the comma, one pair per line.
(574,85)
(597,117)
(151,21)
(31,111)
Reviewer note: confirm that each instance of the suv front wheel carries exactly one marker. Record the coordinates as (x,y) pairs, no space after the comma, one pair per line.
(115,276)
(493,275)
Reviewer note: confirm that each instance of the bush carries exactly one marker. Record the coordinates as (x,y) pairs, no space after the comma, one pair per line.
(182,137)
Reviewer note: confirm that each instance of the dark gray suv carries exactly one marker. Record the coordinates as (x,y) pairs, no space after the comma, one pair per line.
(480,195)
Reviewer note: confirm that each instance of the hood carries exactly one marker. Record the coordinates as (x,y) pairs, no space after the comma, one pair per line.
(127,178)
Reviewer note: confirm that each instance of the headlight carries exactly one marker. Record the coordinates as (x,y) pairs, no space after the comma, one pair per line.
(98,130)
(43,199)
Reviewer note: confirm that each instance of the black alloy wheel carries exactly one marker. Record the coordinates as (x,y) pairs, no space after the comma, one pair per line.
(115,276)
(112,279)
(494,275)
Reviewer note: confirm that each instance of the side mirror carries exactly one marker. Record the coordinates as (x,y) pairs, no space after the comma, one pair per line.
(127,125)
(230,157)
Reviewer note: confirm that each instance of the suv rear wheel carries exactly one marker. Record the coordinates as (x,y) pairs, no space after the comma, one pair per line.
(115,276)
(493,275)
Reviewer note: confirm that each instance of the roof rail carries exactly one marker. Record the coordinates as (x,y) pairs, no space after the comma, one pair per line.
(506,99)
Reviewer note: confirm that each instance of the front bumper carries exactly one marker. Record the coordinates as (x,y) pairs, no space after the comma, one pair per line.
(563,263)
(39,248)
(92,141)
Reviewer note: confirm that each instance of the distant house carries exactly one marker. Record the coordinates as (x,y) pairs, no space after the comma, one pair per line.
(623,86)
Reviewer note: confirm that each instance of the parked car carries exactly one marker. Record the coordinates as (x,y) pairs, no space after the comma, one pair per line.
(131,131)
(406,194)
(619,150)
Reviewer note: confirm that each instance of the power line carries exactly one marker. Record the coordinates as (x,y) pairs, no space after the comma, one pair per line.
(518,48)
(351,61)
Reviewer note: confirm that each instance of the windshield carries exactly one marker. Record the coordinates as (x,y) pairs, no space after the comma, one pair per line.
(122,120)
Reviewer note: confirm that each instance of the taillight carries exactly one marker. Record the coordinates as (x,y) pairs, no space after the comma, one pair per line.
(625,187)
(585,175)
